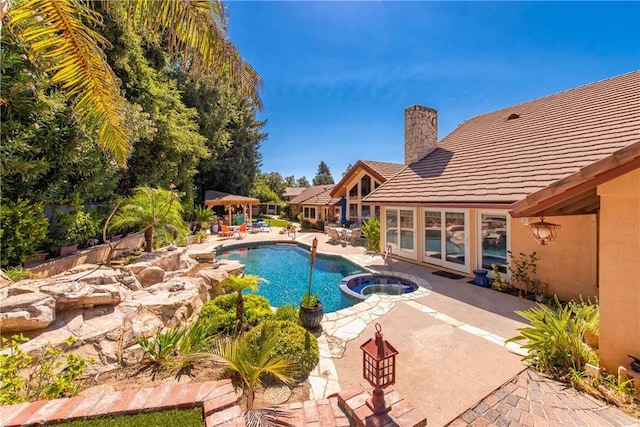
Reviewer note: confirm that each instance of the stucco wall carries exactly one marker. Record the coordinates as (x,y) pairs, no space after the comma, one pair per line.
(619,270)
(568,264)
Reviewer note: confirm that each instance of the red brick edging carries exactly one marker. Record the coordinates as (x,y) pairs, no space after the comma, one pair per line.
(217,398)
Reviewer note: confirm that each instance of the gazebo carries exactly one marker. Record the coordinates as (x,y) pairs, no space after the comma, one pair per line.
(218,198)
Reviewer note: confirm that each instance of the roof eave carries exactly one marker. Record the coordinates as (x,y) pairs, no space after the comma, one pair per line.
(581,182)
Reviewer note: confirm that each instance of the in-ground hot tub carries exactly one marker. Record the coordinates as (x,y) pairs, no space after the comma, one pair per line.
(361,286)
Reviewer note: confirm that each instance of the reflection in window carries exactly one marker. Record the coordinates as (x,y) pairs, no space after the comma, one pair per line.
(433,234)
(310,213)
(365,185)
(494,241)
(455,237)
(354,191)
(366,211)
(392,218)
(353,210)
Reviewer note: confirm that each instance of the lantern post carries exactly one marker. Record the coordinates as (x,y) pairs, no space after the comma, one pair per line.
(379,368)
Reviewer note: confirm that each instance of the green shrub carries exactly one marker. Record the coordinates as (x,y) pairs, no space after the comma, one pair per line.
(220,313)
(25,378)
(371,232)
(555,339)
(23,231)
(18,273)
(287,312)
(75,227)
(294,343)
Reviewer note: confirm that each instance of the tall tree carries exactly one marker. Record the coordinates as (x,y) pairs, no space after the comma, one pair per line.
(323,176)
(303,182)
(170,147)
(45,154)
(62,40)
(290,181)
(275,182)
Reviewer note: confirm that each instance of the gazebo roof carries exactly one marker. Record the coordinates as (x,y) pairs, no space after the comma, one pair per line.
(218,198)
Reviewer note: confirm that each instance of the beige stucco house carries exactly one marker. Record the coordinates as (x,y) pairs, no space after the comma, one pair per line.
(316,204)
(573,158)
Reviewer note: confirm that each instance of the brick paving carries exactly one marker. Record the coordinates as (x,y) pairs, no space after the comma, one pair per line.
(533,400)
(217,398)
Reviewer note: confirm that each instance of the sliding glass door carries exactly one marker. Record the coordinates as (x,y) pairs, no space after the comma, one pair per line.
(494,241)
(446,240)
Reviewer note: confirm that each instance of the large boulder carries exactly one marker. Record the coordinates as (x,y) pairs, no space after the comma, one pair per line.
(70,295)
(26,312)
(150,276)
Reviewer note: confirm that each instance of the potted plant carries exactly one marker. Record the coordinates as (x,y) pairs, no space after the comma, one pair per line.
(310,312)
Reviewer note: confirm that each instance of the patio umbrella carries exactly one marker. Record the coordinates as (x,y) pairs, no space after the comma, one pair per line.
(343,210)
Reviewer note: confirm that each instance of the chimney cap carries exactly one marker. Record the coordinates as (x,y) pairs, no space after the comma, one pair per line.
(418,107)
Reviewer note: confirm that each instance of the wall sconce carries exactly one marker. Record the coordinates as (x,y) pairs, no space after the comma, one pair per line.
(543,232)
(379,368)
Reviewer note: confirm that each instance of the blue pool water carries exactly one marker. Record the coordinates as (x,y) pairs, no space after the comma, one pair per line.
(286,267)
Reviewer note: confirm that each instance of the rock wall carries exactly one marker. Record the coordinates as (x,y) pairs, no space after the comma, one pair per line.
(106,308)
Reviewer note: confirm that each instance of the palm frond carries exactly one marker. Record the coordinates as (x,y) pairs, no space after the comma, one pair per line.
(196,35)
(59,35)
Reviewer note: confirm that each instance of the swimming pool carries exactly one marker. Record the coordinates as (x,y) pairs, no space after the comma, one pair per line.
(286,267)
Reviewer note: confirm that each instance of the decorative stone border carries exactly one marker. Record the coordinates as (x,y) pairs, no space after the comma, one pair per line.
(217,399)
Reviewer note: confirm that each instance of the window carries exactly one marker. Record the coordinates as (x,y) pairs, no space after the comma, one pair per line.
(376,185)
(366,211)
(353,210)
(365,185)
(354,191)
(400,231)
(445,237)
(309,213)
(493,240)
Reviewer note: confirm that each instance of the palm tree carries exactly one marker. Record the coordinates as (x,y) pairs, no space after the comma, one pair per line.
(251,362)
(151,209)
(62,41)
(240,284)
(203,217)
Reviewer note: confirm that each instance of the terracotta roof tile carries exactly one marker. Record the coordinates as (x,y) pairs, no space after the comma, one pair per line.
(315,195)
(491,159)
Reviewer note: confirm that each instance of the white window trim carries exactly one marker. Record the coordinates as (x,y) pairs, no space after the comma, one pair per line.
(395,247)
(466,267)
(309,210)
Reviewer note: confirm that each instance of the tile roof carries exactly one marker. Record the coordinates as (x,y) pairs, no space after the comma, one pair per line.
(385,169)
(382,171)
(293,191)
(315,195)
(490,158)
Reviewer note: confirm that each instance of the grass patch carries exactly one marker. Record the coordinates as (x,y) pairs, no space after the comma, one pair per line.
(274,222)
(171,417)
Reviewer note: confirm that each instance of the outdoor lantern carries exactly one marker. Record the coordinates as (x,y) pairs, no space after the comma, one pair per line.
(379,368)
(543,232)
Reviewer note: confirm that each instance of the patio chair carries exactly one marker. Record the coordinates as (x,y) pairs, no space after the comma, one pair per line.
(266,226)
(354,235)
(334,236)
(224,231)
(242,230)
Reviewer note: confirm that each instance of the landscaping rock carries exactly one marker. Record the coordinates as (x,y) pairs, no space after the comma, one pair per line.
(150,276)
(26,312)
(4,279)
(72,295)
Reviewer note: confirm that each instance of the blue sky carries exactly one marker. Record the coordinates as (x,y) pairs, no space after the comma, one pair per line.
(338,75)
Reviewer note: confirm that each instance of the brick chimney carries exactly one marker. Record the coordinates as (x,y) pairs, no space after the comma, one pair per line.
(420,132)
